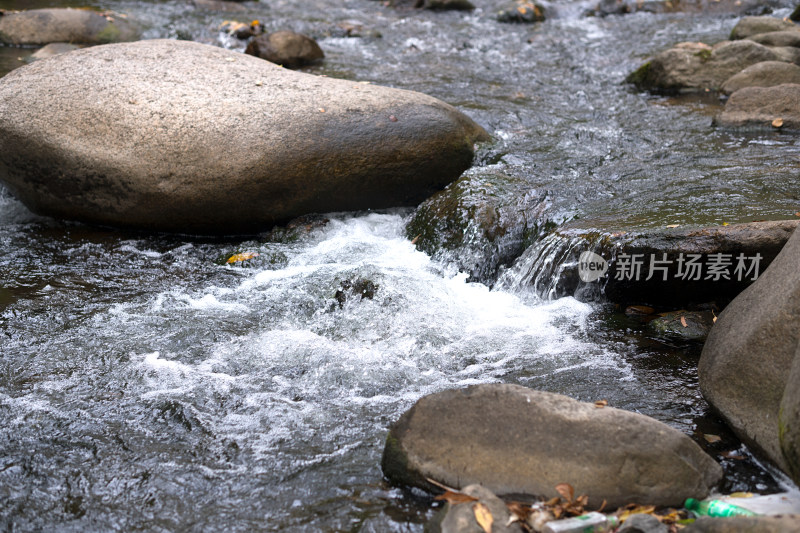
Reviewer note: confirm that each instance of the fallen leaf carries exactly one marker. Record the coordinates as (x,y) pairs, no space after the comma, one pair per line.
(600,403)
(415,239)
(725,224)
(777,123)
(683,322)
(454,498)
(741,495)
(321,109)
(711,439)
(713,320)
(483,516)
(639,310)
(732,455)
(636,509)
(673,225)
(237,258)
(797,214)
(566,490)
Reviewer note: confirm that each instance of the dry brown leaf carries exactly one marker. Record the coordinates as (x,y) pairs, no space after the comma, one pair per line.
(454,498)
(483,516)
(713,320)
(711,439)
(566,490)
(600,403)
(683,322)
(732,455)
(777,123)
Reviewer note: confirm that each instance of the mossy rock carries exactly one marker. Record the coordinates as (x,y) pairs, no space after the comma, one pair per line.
(480,222)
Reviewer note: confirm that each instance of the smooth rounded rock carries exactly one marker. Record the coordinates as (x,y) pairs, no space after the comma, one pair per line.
(76,26)
(778,38)
(789,420)
(286,48)
(521,442)
(764,74)
(745,363)
(683,69)
(748,26)
(179,136)
(775,107)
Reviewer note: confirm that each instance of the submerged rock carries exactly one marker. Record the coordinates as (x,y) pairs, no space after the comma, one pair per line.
(686,69)
(745,363)
(754,25)
(518,441)
(286,48)
(764,74)
(53,49)
(179,136)
(64,25)
(688,326)
(775,107)
(527,12)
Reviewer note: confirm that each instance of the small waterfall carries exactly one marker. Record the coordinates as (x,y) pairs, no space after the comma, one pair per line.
(549,268)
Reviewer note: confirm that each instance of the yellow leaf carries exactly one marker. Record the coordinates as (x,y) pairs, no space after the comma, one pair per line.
(777,123)
(642,509)
(237,258)
(725,224)
(483,516)
(600,403)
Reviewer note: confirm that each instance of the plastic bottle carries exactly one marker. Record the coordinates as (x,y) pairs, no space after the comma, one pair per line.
(586,523)
(716,508)
(770,504)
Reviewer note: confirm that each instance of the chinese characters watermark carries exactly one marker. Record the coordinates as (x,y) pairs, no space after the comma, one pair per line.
(662,267)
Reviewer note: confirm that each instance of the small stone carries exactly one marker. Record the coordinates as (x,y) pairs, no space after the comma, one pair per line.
(287,48)
(643,523)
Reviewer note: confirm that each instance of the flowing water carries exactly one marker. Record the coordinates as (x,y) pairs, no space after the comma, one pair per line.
(147,385)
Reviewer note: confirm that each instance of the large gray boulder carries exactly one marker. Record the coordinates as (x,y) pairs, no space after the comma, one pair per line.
(518,441)
(745,362)
(76,26)
(764,74)
(789,420)
(180,136)
(749,26)
(692,69)
(763,107)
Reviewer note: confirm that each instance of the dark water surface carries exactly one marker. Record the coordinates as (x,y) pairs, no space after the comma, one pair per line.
(146,385)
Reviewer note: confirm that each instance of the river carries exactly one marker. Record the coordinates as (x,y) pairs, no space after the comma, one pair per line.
(145,384)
